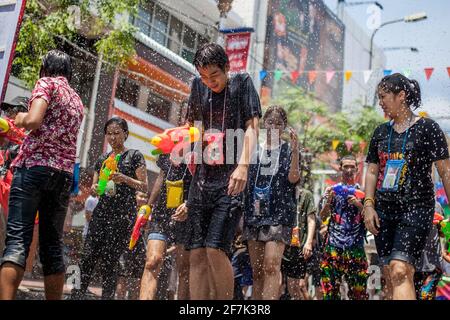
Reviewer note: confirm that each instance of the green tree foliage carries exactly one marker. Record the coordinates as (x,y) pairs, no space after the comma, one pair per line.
(317,127)
(46,22)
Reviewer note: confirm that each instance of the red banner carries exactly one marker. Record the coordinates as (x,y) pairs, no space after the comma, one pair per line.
(237,46)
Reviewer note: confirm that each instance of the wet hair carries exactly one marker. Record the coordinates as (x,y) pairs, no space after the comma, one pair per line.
(120,122)
(397,82)
(211,54)
(278,109)
(56,64)
(348,157)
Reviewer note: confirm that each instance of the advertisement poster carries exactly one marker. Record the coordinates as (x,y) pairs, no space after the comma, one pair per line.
(237,46)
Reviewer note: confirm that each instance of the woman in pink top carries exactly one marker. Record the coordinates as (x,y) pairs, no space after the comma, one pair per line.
(43,177)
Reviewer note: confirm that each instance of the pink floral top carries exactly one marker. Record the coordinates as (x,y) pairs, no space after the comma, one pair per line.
(54,144)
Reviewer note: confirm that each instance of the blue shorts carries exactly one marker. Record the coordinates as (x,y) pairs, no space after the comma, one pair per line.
(35,189)
(157,236)
(402,235)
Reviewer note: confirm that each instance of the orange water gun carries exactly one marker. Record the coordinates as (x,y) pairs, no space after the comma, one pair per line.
(141,220)
(166,141)
(9,130)
(109,167)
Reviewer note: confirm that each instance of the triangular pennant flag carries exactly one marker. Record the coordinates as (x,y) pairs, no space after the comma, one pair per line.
(294,76)
(428,72)
(262,74)
(330,75)
(335,144)
(362,146)
(348,74)
(367,74)
(423,114)
(312,75)
(349,145)
(448,71)
(278,74)
(387,72)
(407,72)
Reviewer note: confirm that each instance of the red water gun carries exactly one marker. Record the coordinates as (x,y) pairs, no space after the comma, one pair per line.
(141,220)
(345,191)
(9,130)
(166,141)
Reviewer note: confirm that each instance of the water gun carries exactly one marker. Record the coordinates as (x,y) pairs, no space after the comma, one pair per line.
(295,239)
(109,167)
(9,130)
(444,225)
(345,191)
(141,220)
(166,141)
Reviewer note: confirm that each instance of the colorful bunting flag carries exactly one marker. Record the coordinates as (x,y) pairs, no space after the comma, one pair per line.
(362,146)
(407,72)
(262,74)
(448,71)
(387,72)
(428,72)
(348,74)
(334,144)
(367,74)
(278,74)
(294,76)
(349,145)
(330,75)
(312,75)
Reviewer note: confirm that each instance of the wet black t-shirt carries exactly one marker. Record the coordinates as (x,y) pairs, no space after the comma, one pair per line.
(241,104)
(123,203)
(425,144)
(282,208)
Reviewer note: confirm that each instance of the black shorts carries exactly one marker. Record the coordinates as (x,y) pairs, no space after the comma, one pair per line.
(402,235)
(213,217)
(293,263)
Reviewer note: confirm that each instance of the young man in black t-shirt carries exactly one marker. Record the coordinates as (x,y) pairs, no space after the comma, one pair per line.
(220,101)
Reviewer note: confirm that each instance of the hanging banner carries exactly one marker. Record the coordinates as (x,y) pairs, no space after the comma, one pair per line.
(428,72)
(330,75)
(335,144)
(11,13)
(349,145)
(237,46)
(362,146)
(448,71)
(348,74)
(367,75)
(312,75)
(278,74)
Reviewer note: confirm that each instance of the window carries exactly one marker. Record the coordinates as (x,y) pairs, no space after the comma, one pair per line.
(167,30)
(160,26)
(128,91)
(143,20)
(176,35)
(158,107)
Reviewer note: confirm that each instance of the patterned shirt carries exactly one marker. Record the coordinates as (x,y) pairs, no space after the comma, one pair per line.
(54,143)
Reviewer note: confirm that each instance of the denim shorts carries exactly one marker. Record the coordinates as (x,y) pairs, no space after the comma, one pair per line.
(402,235)
(213,217)
(36,189)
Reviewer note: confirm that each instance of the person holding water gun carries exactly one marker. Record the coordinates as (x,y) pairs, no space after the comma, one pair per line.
(167,225)
(114,216)
(344,253)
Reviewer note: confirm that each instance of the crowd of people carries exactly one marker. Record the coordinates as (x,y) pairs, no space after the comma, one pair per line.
(237,224)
